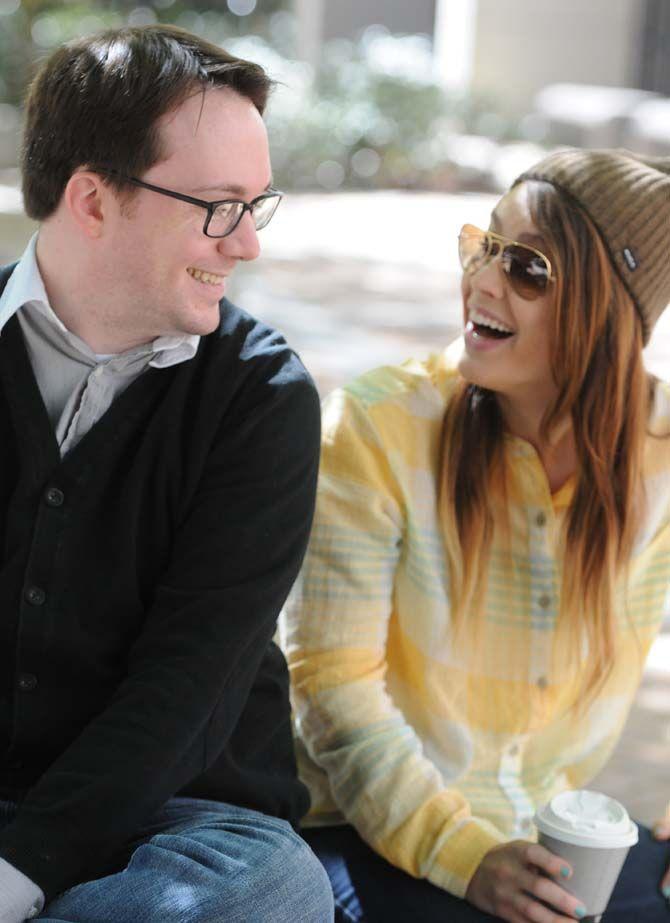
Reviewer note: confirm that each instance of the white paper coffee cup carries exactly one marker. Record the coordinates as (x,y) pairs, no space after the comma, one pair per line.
(592,832)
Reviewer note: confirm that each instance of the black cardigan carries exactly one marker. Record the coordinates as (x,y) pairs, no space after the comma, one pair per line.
(140,581)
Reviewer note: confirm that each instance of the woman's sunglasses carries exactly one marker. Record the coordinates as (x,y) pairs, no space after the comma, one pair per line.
(528,270)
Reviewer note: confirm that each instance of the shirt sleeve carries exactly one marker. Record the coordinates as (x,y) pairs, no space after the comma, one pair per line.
(234,558)
(335,626)
(20,898)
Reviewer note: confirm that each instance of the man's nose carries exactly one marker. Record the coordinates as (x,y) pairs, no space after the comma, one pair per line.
(243,243)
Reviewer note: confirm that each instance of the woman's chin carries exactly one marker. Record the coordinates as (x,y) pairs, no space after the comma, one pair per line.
(471,370)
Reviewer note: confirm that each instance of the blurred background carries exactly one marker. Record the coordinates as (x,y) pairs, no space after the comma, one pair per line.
(391,125)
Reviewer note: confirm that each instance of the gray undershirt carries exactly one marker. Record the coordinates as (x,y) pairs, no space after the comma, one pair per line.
(77,386)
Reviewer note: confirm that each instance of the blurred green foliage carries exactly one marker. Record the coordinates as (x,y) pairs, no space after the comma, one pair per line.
(29,29)
(372,115)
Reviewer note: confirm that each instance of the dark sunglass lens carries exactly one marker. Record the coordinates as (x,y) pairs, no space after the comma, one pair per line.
(527,272)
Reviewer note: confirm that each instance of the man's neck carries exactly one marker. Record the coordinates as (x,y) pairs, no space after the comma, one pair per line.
(76,300)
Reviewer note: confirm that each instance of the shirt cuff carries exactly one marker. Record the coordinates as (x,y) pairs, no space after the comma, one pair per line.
(460,857)
(20,898)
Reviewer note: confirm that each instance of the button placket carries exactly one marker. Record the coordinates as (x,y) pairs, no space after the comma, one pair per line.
(509,779)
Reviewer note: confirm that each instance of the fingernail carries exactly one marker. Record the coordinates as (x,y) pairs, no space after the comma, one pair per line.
(666,891)
(565,871)
(580,912)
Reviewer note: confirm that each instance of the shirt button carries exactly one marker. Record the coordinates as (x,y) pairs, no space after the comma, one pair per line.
(513,750)
(35,595)
(53,496)
(27,682)
(544,601)
(542,682)
(541,520)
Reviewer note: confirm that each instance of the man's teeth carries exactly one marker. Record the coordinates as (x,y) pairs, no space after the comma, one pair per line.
(485,321)
(207,277)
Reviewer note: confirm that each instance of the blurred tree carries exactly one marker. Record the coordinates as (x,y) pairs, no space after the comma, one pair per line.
(29,29)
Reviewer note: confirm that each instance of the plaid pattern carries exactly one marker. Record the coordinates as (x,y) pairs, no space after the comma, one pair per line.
(432,756)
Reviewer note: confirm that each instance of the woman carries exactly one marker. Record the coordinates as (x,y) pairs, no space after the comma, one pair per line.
(489,564)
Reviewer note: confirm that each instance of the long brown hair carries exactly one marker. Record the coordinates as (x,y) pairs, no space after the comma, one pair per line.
(605,391)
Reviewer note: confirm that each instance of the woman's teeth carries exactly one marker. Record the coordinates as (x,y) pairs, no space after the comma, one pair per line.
(208,277)
(483,320)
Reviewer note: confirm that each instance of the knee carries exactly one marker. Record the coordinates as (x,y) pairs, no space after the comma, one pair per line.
(254,869)
(292,886)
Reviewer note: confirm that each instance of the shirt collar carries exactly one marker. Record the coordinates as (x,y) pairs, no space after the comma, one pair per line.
(25,285)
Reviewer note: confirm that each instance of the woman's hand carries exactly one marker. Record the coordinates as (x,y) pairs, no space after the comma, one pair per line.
(510,883)
(662,832)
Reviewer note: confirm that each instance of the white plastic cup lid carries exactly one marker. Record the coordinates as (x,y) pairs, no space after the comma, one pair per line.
(585,818)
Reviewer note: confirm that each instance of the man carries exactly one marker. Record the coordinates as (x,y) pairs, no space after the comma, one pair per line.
(157,469)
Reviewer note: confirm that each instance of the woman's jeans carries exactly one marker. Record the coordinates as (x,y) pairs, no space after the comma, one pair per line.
(203,862)
(369,890)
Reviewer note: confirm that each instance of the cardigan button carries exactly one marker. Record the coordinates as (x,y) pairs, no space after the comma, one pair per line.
(35,595)
(53,496)
(27,682)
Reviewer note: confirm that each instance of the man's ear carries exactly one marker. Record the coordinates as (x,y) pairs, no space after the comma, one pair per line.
(88,201)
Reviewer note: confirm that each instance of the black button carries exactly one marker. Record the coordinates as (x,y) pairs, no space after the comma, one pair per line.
(53,496)
(27,682)
(541,520)
(35,595)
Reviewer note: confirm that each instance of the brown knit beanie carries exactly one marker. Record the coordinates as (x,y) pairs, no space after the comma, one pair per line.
(627,197)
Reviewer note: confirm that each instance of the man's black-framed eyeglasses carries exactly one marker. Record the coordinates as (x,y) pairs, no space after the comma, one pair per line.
(224,215)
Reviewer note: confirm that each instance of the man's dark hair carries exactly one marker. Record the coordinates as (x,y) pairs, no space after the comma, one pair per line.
(95,102)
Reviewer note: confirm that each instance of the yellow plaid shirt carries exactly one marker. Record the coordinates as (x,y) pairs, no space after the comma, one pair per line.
(432,759)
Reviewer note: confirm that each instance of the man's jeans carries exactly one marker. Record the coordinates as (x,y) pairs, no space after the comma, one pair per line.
(203,862)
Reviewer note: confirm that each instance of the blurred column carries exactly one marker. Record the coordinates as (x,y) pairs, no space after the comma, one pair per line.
(653,57)
(455,28)
(310,15)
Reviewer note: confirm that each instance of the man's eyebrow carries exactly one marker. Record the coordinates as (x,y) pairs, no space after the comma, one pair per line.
(232,188)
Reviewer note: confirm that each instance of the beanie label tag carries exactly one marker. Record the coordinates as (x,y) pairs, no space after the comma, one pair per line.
(629,257)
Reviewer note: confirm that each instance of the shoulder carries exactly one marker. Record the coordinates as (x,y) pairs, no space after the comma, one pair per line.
(657,448)
(248,353)
(660,408)
(413,394)
(5,273)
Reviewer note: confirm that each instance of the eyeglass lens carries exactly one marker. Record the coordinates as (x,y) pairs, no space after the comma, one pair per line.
(526,270)
(226,216)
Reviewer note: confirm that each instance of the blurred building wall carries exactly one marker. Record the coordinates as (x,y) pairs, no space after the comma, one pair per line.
(522,45)
(345,18)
